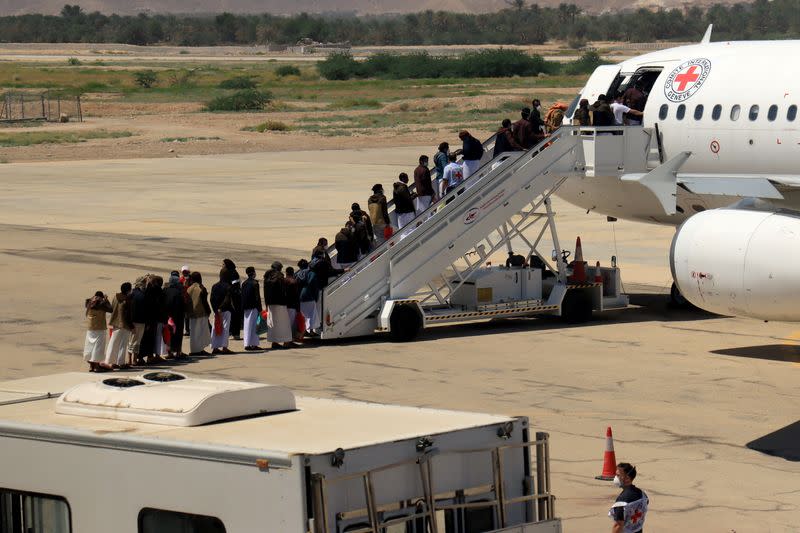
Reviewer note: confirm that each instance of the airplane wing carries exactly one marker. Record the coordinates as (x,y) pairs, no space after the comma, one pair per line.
(744,186)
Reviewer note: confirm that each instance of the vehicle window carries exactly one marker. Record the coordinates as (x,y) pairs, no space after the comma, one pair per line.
(716,112)
(27,512)
(772,113)
(791,113)
(735,110)
(681,112)
(698,112)
(663,111)
(753,112)
(160,521)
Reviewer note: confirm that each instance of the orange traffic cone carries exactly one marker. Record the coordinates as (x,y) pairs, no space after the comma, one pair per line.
(578,265)
(609,459)
(598,274)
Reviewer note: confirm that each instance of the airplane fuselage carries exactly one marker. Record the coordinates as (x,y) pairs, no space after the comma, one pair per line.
(733,105)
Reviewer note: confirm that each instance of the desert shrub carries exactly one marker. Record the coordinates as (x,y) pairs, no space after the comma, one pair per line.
(73,61)
(287,70)
(585,65)
(246,100)
(145,78)
(339,66)
(482,64)
(182,78)
(270,125)
(499,63)
(238,82)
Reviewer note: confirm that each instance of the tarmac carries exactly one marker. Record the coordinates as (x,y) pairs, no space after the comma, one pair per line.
(684,391)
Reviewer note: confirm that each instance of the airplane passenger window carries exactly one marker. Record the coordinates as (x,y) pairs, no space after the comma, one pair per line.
(791,113)
(698,112)
(772,114)
(735,112)
(662,112)
(681,112)
(716,112)
(753,112)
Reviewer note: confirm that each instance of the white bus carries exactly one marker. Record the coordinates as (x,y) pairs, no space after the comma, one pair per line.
(161,452)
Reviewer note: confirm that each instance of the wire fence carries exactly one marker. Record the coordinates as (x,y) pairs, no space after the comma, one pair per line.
(47,106)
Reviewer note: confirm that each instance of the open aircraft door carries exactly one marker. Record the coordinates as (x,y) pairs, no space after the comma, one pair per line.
(600,82)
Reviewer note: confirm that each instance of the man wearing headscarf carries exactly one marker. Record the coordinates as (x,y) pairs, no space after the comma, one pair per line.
(280,329)
(94,348)
(251,303)
(121,328)
(175,301)
(139,318)
(198,312)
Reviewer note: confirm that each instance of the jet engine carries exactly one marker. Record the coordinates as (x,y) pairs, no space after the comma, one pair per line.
(741,262)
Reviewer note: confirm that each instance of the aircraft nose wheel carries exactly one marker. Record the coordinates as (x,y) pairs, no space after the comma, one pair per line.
(676,299)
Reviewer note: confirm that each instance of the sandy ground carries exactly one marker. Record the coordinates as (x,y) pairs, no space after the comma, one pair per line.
(684,391)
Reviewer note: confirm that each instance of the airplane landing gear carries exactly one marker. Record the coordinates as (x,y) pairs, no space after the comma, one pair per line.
(676,299)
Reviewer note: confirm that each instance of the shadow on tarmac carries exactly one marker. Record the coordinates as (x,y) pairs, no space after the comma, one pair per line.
(645,307)
(783,443)
(787,353)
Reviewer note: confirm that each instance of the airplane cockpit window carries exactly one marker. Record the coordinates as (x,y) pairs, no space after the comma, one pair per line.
(698,112)
(772,113)
(662,112)
(716,112)
(735,110)
(791,113)
(681,112)
(753,115)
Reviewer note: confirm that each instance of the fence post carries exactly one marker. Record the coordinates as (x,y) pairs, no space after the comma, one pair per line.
(22,104)
(43,113)
(80,111)
(58,108)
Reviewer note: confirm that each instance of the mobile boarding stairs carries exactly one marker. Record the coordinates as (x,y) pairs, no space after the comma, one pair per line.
(431,271)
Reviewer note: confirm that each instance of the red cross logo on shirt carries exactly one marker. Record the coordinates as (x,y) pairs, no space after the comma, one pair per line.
(635,517)
(685,78)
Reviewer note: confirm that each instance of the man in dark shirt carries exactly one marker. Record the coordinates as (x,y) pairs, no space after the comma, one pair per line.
(630,508)
(601,112)
(504,141)
(523,132)
(424,187)
(472,152)
(403,201)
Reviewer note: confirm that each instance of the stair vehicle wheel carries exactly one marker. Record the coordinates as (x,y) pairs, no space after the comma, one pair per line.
(405,323)
(576,307)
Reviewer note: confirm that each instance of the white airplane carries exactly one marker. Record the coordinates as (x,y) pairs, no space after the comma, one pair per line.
(728,113)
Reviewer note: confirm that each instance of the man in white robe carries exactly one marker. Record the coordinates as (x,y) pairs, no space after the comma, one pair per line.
(280,328)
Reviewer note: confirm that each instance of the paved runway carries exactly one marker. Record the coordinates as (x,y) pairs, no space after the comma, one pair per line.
(684,391)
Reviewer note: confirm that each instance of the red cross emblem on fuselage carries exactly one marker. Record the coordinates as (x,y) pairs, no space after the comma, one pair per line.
(635,517)
(685,78)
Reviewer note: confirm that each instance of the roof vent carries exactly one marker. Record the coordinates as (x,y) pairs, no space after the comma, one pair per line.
(173,399)
(122,383)
(163,377)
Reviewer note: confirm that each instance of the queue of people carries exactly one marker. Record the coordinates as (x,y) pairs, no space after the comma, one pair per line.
(148,320)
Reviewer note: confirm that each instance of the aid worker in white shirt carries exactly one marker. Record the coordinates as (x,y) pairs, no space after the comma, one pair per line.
(619,109)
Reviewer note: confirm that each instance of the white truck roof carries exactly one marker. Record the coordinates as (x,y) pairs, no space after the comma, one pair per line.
(317,425)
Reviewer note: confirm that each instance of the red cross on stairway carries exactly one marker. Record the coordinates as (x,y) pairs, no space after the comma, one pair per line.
(685,78)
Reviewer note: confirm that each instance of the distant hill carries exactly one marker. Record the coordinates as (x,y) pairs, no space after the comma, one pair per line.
(361,7)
